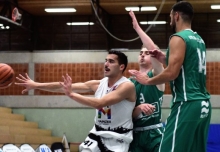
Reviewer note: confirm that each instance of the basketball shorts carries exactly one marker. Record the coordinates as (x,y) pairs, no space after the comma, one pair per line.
(146,141)
(94,143)
(187,127)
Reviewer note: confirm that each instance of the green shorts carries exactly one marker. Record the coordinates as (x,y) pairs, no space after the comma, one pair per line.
(146,141)
(187,127)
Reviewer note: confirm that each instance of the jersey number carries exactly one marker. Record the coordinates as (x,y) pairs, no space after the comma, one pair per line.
(202,61)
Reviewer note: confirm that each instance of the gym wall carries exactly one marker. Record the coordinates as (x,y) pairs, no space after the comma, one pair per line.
(60,114)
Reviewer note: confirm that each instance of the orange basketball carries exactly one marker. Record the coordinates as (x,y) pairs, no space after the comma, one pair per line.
(7,75)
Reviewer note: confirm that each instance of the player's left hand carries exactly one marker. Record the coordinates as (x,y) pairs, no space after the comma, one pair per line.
(147,109)
(139,76)
(66,84)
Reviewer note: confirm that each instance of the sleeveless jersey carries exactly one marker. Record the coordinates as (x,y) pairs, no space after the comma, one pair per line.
(114,120)
(151,95)
(190,85)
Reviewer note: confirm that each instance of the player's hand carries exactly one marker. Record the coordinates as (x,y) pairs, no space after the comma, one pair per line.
(158,54)
(134,20)
(26,82)
(66,84)
(147,109)
(139,76)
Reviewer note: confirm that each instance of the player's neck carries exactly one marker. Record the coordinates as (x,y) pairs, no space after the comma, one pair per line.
(113,80)
(145,69)
(183,26)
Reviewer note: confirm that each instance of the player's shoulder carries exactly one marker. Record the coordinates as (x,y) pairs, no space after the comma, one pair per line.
(126,80)
(129,90)
(128,85)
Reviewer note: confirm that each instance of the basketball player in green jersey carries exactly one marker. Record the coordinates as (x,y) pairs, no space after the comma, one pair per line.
(148,129)
(187,126)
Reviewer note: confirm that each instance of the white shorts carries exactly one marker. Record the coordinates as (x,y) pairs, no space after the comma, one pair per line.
(100,144)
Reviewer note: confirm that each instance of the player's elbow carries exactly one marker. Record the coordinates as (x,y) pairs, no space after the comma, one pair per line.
(102,103)
(173,75)
(98,105)
(172,72)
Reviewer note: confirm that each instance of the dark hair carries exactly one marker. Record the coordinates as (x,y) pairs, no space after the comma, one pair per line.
(122,58)
(186,10)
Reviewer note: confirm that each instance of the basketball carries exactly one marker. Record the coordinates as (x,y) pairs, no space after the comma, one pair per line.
(6,75)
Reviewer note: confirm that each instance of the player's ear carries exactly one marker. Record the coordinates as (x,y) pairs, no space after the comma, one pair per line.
(177,15)
(122,66)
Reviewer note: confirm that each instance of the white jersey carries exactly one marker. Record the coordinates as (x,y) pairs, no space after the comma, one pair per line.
(117,115)
(113,124)
(116,118)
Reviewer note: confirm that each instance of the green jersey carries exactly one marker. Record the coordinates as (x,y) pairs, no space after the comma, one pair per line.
(151,95)
(190,85)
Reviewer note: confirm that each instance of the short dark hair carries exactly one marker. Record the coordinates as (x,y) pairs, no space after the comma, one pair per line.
(186,10)
(122,58)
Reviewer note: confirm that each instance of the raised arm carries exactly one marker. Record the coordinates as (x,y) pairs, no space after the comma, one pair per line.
(124,91)
(29,84)
(146,40)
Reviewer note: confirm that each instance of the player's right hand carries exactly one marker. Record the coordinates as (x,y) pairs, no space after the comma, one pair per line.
(158,54)
(26,82)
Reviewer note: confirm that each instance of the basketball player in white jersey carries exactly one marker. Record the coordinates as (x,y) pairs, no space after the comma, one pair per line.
(114,102)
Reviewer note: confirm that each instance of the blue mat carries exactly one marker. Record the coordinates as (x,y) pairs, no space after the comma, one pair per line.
(213,144)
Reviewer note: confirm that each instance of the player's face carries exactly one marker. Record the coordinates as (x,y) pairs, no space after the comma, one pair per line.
(172,21)
(144,57)
(112,66)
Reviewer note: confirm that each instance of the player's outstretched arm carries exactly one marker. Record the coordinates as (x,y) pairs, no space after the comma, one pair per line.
(124,91)
(146,40)
(29,84)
